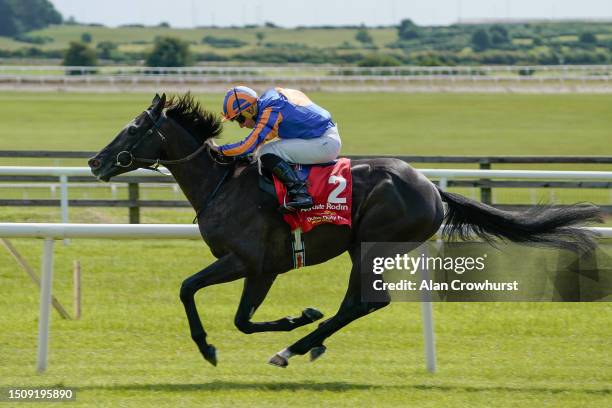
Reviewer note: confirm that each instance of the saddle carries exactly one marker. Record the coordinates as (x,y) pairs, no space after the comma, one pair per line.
(331,187)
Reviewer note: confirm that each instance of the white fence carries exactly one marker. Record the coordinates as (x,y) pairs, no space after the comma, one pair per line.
(434,173)
(291,70)
(63,173)
(302,73)
(49,232)
(443,175)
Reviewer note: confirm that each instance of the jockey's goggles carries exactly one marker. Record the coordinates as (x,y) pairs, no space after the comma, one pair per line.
(239,118)
(237,104)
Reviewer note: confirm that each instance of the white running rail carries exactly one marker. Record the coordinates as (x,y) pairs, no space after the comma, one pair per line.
(51,232)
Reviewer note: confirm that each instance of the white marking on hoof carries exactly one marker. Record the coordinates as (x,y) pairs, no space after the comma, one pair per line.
(278,361)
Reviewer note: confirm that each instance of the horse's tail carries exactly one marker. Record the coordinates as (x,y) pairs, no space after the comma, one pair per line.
(542,225)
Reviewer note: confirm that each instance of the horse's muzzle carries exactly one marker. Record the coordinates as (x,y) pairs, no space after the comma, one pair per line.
(94,163)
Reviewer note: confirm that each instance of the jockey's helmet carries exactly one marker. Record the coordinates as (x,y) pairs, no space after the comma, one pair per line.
(237,100)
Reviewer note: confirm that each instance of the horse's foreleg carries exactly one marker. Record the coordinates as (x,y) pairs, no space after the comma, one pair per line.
(226,269)
(253,294)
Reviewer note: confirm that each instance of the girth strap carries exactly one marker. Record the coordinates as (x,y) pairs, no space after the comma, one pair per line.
(299,249)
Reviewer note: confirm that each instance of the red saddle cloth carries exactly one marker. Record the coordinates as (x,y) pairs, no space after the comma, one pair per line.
(331,188)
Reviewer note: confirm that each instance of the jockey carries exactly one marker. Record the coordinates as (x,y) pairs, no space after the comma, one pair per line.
(305,132)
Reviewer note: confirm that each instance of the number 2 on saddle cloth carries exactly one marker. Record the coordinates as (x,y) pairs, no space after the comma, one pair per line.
(331,188)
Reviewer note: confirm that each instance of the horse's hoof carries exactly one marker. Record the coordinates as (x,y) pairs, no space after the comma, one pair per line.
(312,314)
(210,354)
(317,352)
(278,361)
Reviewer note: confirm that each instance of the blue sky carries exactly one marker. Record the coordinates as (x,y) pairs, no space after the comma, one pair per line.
(288,13)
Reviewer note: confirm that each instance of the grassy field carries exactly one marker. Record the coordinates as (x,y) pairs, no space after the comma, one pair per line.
(141,38)
(382,123)
(132,346)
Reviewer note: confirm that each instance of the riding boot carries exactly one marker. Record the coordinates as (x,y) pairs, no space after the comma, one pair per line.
(297,191)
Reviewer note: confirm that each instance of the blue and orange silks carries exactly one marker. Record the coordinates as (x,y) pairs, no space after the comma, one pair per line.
(283,113)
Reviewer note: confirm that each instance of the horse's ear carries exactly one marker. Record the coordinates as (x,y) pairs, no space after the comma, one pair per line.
(155,100)
(158,103)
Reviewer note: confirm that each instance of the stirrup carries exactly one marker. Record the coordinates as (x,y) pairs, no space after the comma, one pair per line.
(286,209)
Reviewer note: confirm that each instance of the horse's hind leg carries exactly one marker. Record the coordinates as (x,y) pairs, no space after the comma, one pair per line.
(319,349)
(253,294)
(352,308)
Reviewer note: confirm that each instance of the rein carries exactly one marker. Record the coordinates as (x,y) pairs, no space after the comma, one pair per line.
(211,196)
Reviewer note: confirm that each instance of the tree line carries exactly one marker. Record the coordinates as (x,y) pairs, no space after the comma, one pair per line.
(494,44)
(529,43)
(20,16)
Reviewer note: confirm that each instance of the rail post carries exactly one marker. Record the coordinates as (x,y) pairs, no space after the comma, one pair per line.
(64,197)
(485,192)
(134,196)
(76,283)
(45,303)
(64,201)
(429,337)
(443,183)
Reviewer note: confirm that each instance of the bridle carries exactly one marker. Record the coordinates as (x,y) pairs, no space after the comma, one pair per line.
(156,128)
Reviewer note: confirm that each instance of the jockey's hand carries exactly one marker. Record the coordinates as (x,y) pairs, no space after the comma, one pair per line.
(247,158)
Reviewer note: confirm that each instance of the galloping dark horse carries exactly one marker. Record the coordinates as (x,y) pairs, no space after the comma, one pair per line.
(392,202)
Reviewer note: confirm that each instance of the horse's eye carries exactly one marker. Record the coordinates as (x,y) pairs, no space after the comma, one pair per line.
(132,130)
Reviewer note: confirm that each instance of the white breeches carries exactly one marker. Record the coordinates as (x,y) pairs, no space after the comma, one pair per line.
(322,149)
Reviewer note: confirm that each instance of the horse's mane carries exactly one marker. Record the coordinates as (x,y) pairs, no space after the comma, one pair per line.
(187,112)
